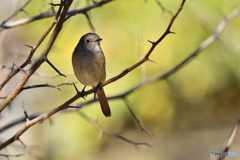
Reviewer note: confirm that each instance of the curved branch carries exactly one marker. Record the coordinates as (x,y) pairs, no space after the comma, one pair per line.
(49,14)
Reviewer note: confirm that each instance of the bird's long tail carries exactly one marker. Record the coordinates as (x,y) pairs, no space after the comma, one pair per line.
(103,102)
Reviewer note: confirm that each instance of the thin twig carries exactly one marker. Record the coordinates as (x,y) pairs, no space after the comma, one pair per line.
(230,140)
(46,85)
(25,112)
(90,23)
(41,59)
(24,145)
(141,125)
(46,59)
(28,60)
(51,76)
(202,46)
(11,155)
(154,44)
(50,14)
(163,8)
(16,12)
(103,132)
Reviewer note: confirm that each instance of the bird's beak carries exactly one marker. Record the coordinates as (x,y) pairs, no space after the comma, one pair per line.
(99,39)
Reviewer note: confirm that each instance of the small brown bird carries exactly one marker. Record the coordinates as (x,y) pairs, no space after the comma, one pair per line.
(89,66)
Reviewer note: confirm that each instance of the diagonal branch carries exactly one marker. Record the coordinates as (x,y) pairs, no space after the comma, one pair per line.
(140,123)
(49,14)
(48,62)
(41,59)
(103,132)
(230,140)
(28,60)
(203,45)
(90,23)
(154,44)
(16,12)
(38,17)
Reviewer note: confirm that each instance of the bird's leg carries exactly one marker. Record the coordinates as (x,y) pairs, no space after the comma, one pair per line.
(99,86)
(96,88)
(82,92)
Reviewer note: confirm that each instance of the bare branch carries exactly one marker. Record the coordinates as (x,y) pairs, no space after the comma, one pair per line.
(24,145)
(50,14)
(230,139)
(28,60)
(25,112)
(51,76)
(141,125)
(163,8)
(108,133)
(18,121)
(41,59)
(24,71)
(203,45)
(154,44)
(46,59)
(90,23)
(46,85)
(11,155)
(16,12)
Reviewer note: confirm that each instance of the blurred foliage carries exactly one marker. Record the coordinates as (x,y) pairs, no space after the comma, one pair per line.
(200,101)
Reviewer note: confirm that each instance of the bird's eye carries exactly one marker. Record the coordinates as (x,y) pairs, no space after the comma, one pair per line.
(87,40)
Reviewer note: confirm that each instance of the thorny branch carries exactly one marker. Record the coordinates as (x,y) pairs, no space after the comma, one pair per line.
(50,14)
(38,17)
(28,60)
(43,56)
(154,44)
(65,105)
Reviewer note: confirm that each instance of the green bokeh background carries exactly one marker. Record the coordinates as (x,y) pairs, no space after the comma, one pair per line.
(191,113)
